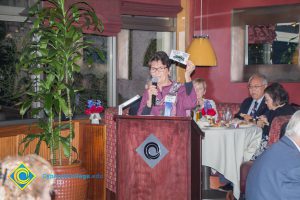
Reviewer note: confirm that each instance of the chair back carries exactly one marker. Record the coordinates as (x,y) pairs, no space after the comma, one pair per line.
(274,134)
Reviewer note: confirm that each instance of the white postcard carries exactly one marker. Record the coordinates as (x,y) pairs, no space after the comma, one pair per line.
(179,56)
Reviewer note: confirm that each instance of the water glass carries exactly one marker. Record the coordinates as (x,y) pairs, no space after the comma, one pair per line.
(227,115)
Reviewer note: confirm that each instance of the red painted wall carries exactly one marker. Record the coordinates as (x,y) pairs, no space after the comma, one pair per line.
(217,23)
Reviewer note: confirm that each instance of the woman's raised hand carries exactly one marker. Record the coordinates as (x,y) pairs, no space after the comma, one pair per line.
(190,67)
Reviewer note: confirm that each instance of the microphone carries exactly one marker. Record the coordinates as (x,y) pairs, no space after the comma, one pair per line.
(154,82)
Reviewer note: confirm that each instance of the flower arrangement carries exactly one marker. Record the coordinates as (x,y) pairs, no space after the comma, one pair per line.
(94,106)
(207,113)
(208,110)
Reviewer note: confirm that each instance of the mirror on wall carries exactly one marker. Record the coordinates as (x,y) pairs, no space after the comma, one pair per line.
(272,44)
(265,40)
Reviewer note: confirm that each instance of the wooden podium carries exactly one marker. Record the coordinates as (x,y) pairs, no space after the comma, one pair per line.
(172,145)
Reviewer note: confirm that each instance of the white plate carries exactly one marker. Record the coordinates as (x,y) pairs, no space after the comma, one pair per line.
(246,125)
(214,127)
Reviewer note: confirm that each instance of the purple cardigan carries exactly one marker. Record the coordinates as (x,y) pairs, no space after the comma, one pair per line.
(186,100)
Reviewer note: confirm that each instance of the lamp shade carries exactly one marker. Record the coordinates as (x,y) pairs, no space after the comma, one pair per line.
(201,52)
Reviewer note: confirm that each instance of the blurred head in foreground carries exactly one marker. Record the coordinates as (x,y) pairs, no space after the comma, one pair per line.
(293,127)
(38,189)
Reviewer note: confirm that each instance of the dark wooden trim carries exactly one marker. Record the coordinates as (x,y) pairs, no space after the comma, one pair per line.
(110,195)
(167,8)
(148,23)
(145,117)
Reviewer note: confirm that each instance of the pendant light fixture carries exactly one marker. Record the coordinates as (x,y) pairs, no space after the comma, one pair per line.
(200,49)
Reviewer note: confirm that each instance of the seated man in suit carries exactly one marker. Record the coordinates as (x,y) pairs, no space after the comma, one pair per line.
(251,108)
(276,173)
(254,106)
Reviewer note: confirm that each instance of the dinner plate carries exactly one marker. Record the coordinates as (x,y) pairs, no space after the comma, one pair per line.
(214,127)
(245,125)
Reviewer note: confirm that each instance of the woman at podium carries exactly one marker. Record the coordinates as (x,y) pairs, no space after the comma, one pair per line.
(164,97)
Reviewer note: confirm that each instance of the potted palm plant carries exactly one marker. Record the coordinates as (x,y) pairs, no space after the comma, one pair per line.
(50,57)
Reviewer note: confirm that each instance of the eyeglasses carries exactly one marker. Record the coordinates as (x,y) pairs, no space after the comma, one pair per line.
(250,87)
(159,69)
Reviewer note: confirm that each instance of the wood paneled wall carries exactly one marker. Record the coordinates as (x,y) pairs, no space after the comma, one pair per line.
(11,137)
(92,150)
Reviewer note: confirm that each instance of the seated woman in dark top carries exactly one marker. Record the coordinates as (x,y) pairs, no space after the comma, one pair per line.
(277,100)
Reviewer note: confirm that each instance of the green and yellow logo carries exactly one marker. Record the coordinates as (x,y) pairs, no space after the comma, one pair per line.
(22,176)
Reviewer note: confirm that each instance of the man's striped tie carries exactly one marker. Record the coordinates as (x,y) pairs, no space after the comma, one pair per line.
(253,111)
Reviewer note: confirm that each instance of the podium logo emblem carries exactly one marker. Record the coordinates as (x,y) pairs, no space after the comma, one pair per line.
(152,151)
(22,176)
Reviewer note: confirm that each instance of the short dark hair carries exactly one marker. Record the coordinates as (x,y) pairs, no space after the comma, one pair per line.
(162,56)
(277,93)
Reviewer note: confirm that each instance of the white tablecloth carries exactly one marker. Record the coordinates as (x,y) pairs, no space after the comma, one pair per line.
(225,149)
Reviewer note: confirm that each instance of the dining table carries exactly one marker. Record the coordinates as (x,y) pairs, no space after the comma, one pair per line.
(224,149)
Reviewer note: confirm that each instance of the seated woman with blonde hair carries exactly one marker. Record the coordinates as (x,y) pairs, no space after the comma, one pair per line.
(38,189)
(200,89)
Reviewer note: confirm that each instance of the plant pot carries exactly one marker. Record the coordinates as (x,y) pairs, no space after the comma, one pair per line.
(70,182)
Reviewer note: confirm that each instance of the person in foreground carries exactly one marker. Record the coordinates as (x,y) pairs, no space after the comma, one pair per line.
(277,100)
(38,189)
(276,173)
(254,105)
(164,96)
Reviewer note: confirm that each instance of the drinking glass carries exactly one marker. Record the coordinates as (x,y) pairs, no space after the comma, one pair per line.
(227,115)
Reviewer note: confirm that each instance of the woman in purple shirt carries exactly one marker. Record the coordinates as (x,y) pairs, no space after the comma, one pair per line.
(171,98)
